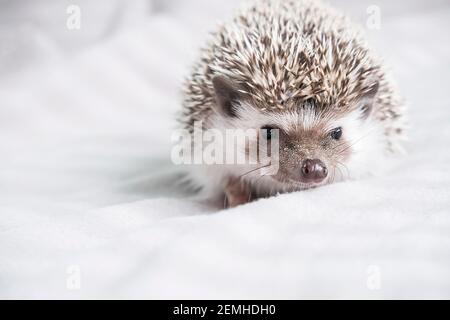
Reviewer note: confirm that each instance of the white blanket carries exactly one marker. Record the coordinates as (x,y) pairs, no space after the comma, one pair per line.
(89,206)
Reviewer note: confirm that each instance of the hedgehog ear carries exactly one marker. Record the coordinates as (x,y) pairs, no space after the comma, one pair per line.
(367,101)
(227,95)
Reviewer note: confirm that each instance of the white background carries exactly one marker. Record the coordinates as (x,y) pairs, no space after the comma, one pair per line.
(89,206)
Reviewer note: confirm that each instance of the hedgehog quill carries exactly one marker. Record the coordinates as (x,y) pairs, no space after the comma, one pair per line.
(303,72)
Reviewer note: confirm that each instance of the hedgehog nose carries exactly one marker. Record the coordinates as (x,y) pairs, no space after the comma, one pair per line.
(313,170)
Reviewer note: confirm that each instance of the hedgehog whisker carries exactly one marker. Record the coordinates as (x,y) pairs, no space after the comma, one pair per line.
(339,145)
(334,173)
(253,170)
(345,167)
(355,141)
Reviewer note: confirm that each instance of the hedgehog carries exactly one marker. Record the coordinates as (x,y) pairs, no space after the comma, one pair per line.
(301,72)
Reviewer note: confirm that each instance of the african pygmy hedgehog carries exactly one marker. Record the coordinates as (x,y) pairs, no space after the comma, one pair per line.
(302,68)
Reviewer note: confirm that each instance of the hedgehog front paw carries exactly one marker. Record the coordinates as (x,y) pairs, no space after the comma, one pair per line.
(237,192)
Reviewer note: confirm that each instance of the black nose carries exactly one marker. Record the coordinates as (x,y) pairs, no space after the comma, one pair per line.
(313,170)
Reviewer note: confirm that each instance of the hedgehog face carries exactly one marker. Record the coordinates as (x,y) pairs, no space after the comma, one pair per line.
(312,149)
(320,148)
(317,146)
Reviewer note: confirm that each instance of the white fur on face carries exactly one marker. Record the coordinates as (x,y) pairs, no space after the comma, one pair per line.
(367,145)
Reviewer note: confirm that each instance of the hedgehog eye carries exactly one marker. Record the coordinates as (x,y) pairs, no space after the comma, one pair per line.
(336,133)
(268,131)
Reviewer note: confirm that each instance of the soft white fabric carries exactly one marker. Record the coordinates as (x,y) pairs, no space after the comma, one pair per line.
(86,184)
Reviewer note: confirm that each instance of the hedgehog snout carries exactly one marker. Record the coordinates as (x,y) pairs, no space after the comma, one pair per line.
(313,171)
